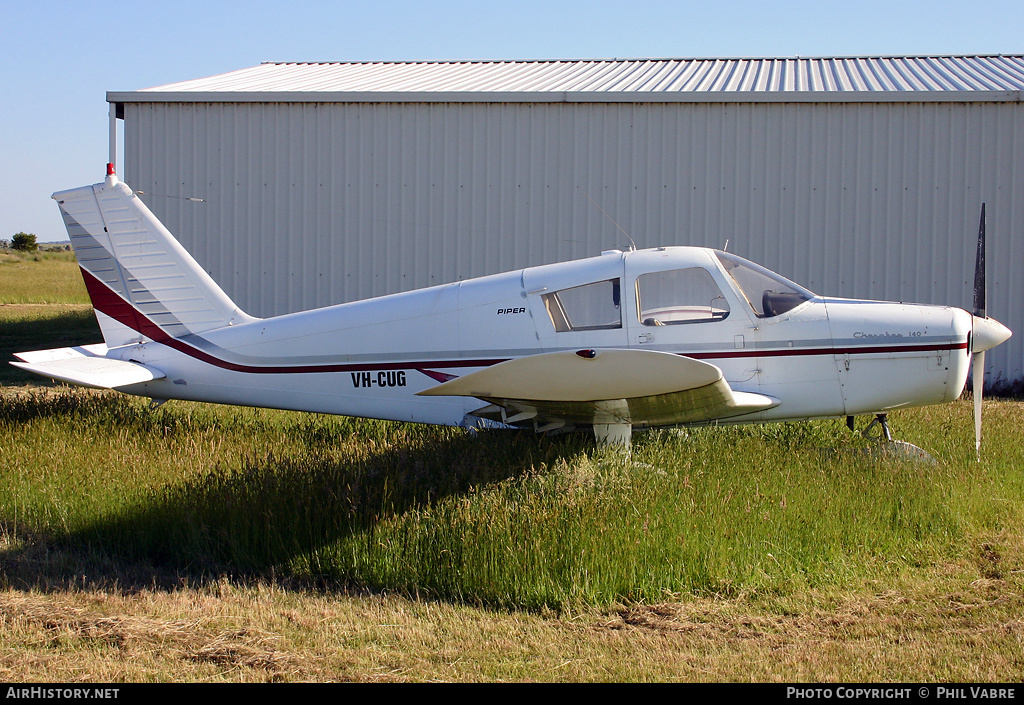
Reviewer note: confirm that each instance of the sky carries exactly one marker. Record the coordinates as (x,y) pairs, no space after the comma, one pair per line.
(61,57)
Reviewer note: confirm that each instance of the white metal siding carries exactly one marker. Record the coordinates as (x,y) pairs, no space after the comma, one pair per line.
(307,204)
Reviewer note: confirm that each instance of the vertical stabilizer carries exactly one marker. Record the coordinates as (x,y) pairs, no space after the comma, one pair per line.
(142,282)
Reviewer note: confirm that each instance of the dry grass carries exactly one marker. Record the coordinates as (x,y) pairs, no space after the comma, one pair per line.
(102,636)
(951,628)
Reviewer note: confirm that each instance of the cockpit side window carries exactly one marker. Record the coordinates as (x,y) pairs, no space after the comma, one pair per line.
(680,296)
(767,293)
(589,307)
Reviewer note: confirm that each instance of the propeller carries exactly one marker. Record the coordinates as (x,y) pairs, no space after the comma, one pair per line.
(987,333)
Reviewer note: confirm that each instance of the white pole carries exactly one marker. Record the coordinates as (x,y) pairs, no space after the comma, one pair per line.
(112,150)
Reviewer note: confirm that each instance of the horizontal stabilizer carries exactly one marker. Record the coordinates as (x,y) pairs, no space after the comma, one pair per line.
(86,366)
(591,387)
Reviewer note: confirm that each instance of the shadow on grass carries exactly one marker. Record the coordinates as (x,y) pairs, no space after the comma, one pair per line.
(25,327)
(253,521)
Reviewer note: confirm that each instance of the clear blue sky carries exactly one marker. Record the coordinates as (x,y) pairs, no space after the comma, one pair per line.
(60,57)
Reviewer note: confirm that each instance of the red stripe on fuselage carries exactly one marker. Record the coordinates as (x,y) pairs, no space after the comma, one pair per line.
(856,350)
(110,303)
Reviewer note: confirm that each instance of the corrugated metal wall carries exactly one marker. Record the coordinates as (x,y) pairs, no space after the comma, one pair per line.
(307,204)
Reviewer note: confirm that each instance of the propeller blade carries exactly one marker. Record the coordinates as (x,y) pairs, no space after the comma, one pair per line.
(980,307)
(978,381)
(980,296)
(986,332)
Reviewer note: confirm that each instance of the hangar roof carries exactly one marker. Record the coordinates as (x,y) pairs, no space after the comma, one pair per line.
(801,79)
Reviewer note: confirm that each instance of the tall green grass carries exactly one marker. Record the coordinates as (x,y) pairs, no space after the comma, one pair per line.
(503,518)
(104,485)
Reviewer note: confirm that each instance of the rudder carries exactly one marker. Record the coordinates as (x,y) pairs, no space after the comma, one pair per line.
(141,281)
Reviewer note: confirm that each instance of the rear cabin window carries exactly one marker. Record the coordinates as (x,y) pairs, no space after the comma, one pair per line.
(680,296)
(588,307)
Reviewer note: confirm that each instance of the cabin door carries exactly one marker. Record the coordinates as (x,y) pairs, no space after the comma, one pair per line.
(692,311)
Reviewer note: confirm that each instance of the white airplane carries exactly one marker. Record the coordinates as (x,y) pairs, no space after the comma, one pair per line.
(671,336)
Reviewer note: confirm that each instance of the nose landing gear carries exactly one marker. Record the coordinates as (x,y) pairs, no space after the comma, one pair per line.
(887,445)
(880,419)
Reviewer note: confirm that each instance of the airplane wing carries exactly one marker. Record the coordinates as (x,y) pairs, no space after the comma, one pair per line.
(86,365)
(603,387)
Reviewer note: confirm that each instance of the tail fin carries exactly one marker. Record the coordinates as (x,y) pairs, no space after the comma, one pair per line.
(141,281)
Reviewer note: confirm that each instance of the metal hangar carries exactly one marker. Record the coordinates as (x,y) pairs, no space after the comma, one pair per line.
(299,185)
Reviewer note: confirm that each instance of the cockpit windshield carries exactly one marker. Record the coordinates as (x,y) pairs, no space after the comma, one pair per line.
(767,293)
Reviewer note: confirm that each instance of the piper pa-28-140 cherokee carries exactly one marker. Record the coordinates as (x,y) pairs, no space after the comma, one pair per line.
(671,336)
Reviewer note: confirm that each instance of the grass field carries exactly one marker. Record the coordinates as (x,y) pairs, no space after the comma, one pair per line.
(43,277)
(196,542)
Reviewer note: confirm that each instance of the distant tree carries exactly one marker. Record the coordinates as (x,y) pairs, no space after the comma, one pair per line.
(26,242)
(5,244)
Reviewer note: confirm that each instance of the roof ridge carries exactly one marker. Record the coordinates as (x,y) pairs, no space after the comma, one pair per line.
(829,57)
(930,78)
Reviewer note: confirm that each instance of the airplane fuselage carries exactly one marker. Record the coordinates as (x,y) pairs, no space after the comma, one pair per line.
(818,357)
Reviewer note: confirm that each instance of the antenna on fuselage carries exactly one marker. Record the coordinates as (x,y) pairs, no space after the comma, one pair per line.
(632,245)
